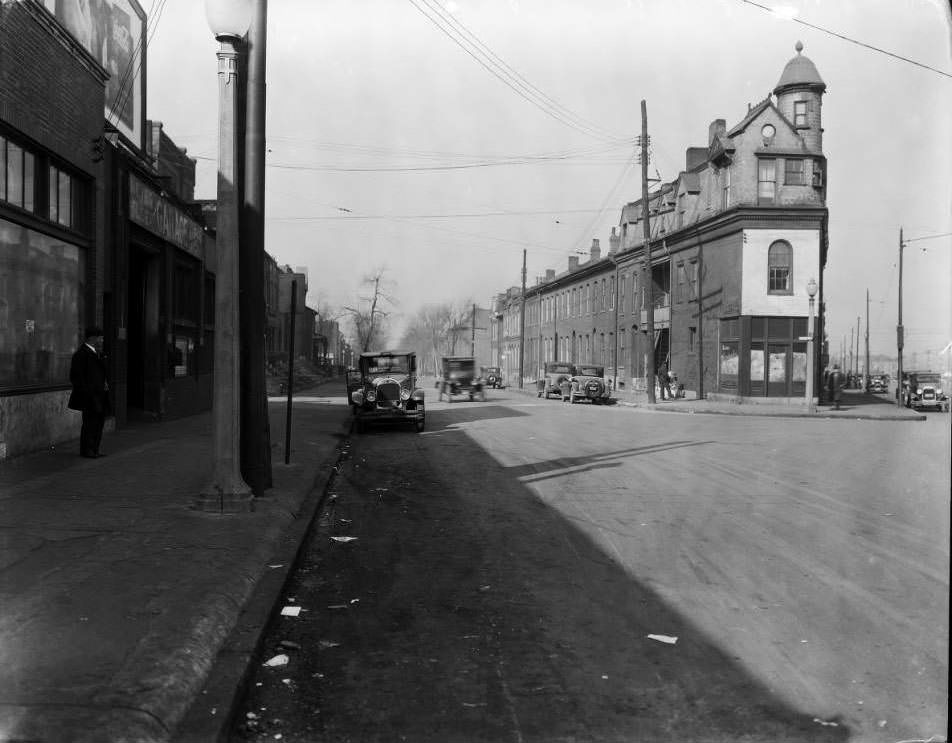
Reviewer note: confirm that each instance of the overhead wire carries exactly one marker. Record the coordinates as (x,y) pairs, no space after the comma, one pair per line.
(510,79)
(127,79)
(851,40)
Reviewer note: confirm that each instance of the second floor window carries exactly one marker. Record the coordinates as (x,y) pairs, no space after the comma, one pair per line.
(793,172)
(799,113)
(61,197)
(779,268)
(766,181)
(17,176)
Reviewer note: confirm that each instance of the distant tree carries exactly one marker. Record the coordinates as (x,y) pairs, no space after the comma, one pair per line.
(439,330)
(367,315)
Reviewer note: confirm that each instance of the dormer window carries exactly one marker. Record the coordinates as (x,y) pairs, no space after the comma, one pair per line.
(793,172)
(800,114)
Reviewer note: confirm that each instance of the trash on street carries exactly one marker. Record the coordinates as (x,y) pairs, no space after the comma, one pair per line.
(278,660)
(664,638)
(290,611)
(344,539)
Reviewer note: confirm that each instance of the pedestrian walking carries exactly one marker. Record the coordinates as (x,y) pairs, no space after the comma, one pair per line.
(835,386)
(90,394)
(664,381)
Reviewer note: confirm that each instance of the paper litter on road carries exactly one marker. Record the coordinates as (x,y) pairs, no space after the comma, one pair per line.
(825,723)
(325,644)
(278,660)
(290,611)
(664,638)
(344,539)
(279,565)
(337,606)
(289,645)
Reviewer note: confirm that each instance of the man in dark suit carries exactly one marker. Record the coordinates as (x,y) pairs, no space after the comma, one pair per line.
(87,374)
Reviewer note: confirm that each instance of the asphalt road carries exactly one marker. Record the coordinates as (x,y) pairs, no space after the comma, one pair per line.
(511,561)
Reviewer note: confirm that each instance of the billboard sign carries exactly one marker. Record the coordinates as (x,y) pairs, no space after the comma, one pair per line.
(114,32)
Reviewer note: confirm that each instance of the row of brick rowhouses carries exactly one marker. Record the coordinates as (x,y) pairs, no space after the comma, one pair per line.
(99,226)
(735,240)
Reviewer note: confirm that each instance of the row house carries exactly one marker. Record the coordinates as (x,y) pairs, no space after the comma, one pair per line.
(735,241)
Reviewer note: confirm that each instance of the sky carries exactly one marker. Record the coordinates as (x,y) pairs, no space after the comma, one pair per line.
(390,146)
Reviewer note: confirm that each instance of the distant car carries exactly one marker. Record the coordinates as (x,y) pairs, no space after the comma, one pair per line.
(924,390)
(556,373)
(460,378)
(877,385)
(492,376)
(589,383)
(387,391)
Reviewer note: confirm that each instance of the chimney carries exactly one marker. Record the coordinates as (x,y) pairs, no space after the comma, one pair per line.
(614,242)
(595,252)
(573,263)
(549,274)
(717,128)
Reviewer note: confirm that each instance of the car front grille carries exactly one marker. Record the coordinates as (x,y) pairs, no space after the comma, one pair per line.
(388,395)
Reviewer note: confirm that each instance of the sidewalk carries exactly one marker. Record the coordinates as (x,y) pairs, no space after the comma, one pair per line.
(115,596)
(855,405)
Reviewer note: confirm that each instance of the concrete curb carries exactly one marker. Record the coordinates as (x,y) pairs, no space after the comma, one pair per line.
(214,705)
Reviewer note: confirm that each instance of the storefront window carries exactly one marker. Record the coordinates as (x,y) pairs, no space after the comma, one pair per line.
(730,363)
(41,296)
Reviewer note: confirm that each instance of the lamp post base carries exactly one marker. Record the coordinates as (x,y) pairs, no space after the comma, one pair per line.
(216,499)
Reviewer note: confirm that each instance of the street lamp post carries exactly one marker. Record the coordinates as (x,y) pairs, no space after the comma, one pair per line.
(811,372)
(227,492)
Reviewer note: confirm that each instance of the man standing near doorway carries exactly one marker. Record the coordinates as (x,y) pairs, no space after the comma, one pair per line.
(90,395)
(664,381)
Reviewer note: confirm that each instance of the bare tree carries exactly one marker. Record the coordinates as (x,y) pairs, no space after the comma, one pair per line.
(368,316)
(438,330)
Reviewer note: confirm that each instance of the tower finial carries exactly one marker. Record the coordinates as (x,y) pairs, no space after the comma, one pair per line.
(799,47)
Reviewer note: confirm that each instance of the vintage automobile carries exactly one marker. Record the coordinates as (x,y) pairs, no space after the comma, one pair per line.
(588,383)
(352,381)
(556,374)
(387,390)
(459,378)
(924,390)
(877,385)
(492,376)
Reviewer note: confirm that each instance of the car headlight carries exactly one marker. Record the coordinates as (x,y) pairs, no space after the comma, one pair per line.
(405,395)
(371,395)
(919,390)
(357,397)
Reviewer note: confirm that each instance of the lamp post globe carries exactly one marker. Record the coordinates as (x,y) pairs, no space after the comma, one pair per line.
(229,18)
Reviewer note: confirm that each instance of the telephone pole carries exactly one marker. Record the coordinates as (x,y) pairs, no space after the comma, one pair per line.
(857,345)
(899,331)
(472,343)
(522,322)
(866,383)
(646,266)
(850,367)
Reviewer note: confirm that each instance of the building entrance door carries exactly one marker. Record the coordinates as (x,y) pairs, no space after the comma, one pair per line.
(142,371)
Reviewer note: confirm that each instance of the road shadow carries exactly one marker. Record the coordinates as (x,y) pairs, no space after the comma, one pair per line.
(486,614)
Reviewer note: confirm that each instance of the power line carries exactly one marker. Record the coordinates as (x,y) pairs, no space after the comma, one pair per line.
(849,39)
(926,237)
(463,215)
(511,80)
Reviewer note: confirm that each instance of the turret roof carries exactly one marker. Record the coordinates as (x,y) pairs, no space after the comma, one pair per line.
(800,72)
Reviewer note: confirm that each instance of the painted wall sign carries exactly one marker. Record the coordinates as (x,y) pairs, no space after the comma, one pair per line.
(160,217)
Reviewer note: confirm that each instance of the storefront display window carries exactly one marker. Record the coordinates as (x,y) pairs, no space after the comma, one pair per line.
(41,294)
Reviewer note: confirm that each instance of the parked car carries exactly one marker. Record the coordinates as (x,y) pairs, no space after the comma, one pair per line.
(492,376)
(460,378)
(924,390)
(589,383)
(877,385)
(556,372)
(388,390)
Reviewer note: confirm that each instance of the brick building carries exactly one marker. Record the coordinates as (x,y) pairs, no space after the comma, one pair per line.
(735,240)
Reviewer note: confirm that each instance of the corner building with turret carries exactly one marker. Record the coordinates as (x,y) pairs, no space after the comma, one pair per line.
(738,242)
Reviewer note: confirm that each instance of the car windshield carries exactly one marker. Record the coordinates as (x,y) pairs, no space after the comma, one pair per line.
(928,379)
(558,368)
(459,365)
(590,371)
(385,364)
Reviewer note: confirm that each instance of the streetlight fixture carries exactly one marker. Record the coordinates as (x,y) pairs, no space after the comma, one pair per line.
(227,492)
(811,372)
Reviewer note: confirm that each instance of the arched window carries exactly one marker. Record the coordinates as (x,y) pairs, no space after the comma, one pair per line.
(780,268)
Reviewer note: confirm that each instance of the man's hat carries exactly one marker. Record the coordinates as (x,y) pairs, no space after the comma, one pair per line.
(93,331)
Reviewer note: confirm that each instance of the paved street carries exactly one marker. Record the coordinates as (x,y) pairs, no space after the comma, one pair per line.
(510,562)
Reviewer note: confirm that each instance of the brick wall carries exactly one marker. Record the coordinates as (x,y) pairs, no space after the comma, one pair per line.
(50,88)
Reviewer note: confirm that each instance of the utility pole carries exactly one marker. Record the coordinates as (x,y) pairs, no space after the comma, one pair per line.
(866,384)
(255,431)
(857,345)
(522,322)
(850,367)
(646,266)
(899,331)
(472,343)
